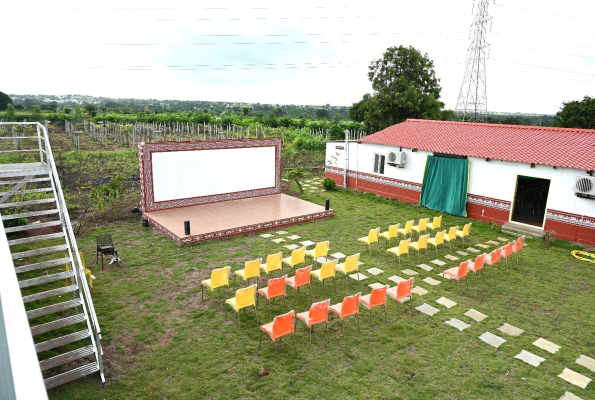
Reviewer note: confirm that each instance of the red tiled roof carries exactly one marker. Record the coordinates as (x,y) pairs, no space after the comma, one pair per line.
(560,147)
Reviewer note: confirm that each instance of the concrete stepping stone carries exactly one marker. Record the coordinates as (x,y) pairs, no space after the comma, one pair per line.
(375,271)
(502,239)
(278,240)
(462,253)
(425,267)
(375,285)
(586,362)
(493,242)
(530,358)
(282,232)
(445,276)
(358,276)
(575,378)
(475,315)
(438,262)
(419,290)
(359,263)
(307,243)
(293,237)
(308,181)
(409,272)
(569,396)
(492,340)
(338,256)
(473,250)
(291,246)
(266,235)
(483,246)
(510,330)
(451,257)
(547,345)
(427,309)
(323,260)
(431,281)
(446,302)
(396,279)
(457,323)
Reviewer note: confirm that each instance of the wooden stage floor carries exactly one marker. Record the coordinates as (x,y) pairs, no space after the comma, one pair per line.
(235,217)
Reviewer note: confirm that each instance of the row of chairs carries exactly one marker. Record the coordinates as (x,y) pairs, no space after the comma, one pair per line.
(285,324)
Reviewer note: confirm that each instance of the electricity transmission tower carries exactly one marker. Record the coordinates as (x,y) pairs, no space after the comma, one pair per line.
(472,101)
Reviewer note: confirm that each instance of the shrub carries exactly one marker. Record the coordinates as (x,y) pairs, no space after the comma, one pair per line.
(329,184)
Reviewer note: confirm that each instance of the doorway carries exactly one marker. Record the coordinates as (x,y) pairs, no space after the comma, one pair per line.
(530,200)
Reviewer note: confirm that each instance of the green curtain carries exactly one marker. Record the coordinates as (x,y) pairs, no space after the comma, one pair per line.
(445,184)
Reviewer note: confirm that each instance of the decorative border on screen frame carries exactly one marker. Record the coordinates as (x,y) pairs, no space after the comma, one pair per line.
(145,151)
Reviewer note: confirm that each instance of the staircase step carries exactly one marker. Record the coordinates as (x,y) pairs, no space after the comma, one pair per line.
(27,181)
(35,238)
(49,293)
(43,264)
(32,226)
(29,214)
(38,312)
(28,191)
(57,324)
(61,341)
(45,279)
(71,375)
(36,252)
(28,203)
(66,357)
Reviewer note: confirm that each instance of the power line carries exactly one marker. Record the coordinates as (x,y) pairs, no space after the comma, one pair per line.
(543,40)
(544,12)
(549,76)
(541,66)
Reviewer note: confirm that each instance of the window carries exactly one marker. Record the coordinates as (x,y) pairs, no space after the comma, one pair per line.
(379,163)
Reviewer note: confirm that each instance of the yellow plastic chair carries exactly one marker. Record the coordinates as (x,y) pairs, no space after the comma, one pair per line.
(465,233)
(435,224)
(320,250)
(350,265)
(327,270)
(452,235)
(407,230)
(87,271)
(437,241)
(402,248)
(421,226)
(251,270)
(422,243)
(371,238)
(219,278)
(273,264)
(298,256)
(391,233)
(245,297)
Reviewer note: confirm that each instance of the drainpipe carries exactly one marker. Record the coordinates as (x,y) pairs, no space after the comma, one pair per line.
(346,158)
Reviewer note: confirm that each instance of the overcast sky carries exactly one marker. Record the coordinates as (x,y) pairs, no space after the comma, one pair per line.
(542,52)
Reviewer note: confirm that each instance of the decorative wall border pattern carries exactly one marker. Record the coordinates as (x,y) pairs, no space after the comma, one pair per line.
(571,219)
(240,230)
(416,187)
(489,202)
(145,151)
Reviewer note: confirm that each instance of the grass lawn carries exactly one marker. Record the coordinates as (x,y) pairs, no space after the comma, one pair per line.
(162,342)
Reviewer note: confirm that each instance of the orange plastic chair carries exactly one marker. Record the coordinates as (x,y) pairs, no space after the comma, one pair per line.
(421,244)
(251,270)
(375,299)
(244,298)
(402,291)
(477,265)
(437,241)
(518,248)
(301,278)
(493,258)
(282,325)
(349,306)
(276,288)
(273,264)
(458,272)
(371,238)
(318,314)
(350,265)
(391,233)
(506,252)
(402,248)
(452,235)
(327,270)
(298,256)
(219,278)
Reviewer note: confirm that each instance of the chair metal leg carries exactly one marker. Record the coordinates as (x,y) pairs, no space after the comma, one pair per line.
(398,309)
(213,291)
(202,291)
(370,315)
(270,309)
(310,287)
(256,313)
(357,317)
(384,305)
(343,326)
(294,343)
(335,280)
(284,303)
(239,324)
(310,336)
(328,337)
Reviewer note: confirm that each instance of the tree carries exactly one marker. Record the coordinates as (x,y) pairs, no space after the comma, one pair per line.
(10,114)
(405,86)
(322,113)
(5,100)
(108,195)
(577,114)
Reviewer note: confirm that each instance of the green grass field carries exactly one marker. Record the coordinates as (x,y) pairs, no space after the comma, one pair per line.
(162,342)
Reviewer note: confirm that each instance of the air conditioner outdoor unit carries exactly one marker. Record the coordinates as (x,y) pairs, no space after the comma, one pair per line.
(585,186)
(396,159)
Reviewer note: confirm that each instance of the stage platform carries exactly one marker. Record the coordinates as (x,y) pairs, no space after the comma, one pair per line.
(234,217)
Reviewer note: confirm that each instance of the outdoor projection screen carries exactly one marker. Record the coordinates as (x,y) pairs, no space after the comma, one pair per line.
(177,174)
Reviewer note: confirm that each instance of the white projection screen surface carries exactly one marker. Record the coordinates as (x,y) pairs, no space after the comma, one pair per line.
(197,173)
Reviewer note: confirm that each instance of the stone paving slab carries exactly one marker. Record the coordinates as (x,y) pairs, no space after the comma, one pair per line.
(307,243)
(375,285)
(493,242)
(569,396)
(409,272)
(431,281)
(425,267)
(358,276)
(375,271)
(483,246)
(445,276)
(457,323)
(475,315)
(446,302)
(492,340)
(278,240)
(291,246)
(547,345)
(359,263)
(266,235)
(451,257)
(510,330)
(462,253)
(502,239)
(586,362)
(473,250)
(323,260)
(530,358)
(427,309)
(438,262)
(419,290)
(575,378)
(282,232)
(338,256)
(396,279)
(293,237)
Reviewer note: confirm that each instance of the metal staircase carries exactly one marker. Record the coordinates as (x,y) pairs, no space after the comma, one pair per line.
(63,322)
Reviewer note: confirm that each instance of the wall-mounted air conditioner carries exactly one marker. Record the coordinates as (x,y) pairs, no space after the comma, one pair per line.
(584,186)
(396,159)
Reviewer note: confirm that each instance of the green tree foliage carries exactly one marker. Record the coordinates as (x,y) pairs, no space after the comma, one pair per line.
(77,114)
(405,86)
(577,114)
(297,174)
(322,113)
(10,114)
(91,109)
(5,100)
(108,195)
